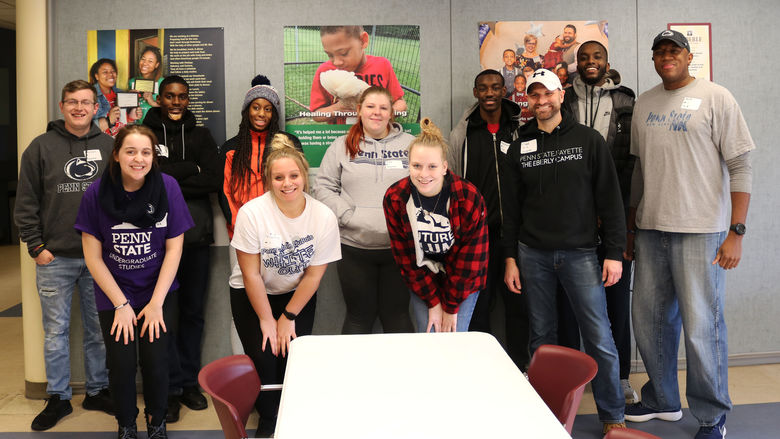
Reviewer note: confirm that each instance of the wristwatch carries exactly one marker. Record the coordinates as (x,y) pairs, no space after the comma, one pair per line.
(290,316)
(738,228)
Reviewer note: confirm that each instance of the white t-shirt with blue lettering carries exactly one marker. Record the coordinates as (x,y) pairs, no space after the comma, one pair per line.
(287,246)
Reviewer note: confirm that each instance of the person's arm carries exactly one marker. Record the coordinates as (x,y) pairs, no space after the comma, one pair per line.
(466,262)
(399,105)
(609,208)
(327,187)
(310,282)
(153,311)
(29,195)
(209,175)
(124,317)
(255,291)
(637,189)
(740,176)
(420,280)
(511,187)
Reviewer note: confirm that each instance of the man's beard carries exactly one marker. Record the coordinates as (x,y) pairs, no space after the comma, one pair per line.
(597,79)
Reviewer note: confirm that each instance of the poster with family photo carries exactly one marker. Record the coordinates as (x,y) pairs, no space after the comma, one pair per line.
(326,68)
(518,48)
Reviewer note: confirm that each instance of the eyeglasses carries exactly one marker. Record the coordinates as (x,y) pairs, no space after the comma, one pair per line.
(75,103)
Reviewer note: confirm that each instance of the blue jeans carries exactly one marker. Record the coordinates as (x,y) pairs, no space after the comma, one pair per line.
(676,285)
(579,273)
(420,312)
(56,281)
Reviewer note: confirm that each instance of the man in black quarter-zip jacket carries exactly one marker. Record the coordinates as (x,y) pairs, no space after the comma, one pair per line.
(188,153)
(482,134)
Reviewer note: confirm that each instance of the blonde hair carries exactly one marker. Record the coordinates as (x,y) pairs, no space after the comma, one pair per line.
(430,135)
(282,147)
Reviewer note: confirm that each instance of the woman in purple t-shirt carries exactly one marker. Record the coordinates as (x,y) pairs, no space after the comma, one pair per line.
(132,222)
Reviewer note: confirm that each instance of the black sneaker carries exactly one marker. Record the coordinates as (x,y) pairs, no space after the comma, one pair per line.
(266,428)
(173,409)
(100,401)
(55,410)
(156,431)
(129,432)
(193,399)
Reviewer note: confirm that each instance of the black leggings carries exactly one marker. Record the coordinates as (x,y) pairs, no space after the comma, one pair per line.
(372,286)
(122,360)
(269,368)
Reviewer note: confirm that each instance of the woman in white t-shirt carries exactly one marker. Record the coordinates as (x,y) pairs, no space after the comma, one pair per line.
(284,241)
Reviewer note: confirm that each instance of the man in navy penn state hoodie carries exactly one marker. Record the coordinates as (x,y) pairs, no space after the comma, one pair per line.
(559,183)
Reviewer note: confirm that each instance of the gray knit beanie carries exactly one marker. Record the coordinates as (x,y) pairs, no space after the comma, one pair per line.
(266,92)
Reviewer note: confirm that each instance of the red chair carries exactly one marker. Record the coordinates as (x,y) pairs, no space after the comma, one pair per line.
(559,375)
(233,385)
(629,433)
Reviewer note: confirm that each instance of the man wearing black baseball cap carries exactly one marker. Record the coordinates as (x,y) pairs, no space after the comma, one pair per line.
(559,181)
(693,162)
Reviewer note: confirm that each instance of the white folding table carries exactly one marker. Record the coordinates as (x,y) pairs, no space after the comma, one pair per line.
(448,386)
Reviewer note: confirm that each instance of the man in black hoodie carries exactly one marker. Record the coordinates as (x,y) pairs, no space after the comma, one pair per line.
(56,169)
(189,154)
(559,183)
(484,133)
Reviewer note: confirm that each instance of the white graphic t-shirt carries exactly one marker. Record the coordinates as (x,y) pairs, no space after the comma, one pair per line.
(287,246)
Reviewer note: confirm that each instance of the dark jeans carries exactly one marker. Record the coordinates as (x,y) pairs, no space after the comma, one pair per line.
(372,286)
(269,368)
(619,312)
(186,326)
(122,360)
(579,272)
(515,308)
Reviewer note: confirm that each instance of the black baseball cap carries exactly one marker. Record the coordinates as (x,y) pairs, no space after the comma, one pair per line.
(673,36)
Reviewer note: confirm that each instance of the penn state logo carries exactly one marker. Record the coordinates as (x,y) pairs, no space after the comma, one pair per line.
(150,209)
(80,169)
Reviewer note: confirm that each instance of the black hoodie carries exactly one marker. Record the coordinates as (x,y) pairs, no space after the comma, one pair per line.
(188,153)
(556,186)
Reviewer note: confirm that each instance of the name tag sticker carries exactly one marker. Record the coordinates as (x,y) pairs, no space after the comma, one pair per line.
(272,240)
(504,146)
(93,155)
(394,164)
(162,150)
(692,104)
(528,146)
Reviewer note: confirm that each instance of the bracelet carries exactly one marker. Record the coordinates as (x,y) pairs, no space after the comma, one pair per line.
(290,316)
(120,306)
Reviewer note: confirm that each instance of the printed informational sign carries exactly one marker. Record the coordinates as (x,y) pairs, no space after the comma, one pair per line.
(699,37)
(326,68)
(144,57)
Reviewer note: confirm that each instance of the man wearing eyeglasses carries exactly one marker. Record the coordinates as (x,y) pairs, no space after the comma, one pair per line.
(56,168)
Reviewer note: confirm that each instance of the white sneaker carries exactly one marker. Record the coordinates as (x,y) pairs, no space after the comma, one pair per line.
(629,392)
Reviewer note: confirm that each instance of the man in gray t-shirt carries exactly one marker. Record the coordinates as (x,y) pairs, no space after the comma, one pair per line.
(689,200)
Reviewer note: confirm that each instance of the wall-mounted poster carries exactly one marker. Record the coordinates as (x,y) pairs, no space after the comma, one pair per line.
(327,67)
(144,57)
(699,37)
(517,48)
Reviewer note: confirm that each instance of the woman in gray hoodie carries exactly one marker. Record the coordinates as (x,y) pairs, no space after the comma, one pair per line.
(354,174)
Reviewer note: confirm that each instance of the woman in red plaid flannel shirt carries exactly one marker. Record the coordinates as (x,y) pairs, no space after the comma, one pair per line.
(439,236)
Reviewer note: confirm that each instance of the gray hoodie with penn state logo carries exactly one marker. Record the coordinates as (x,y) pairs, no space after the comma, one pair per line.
(55,171)
(355,187)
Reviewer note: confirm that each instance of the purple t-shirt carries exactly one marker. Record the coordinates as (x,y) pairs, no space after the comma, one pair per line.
(133,256)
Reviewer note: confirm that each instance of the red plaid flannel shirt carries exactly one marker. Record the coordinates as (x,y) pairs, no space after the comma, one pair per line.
(465,264)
